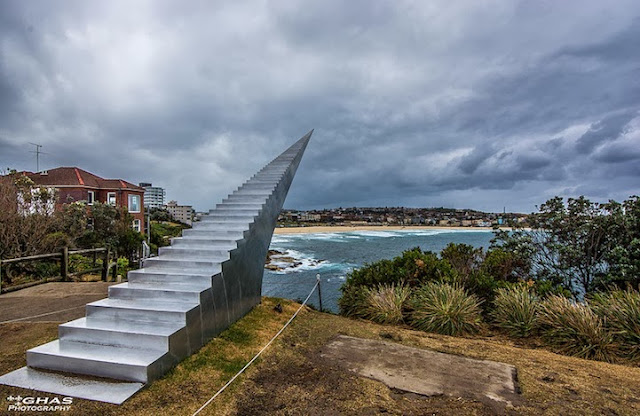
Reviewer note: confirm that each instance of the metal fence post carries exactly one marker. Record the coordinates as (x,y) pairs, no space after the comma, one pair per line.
(64,264)
(319,291)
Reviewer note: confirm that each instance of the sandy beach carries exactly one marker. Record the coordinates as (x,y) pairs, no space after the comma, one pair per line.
(348,228)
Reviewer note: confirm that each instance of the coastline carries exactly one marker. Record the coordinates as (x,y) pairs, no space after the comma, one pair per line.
(317,229)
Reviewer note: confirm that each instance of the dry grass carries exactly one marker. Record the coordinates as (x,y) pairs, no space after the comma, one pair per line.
(291,379)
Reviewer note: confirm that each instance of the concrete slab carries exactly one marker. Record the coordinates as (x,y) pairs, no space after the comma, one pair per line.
(425,372)
(71,386)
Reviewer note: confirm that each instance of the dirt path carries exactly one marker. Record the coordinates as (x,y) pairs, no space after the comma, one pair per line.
(37,303)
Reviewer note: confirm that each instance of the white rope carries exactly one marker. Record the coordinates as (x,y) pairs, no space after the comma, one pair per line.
(41,315)
(258,354)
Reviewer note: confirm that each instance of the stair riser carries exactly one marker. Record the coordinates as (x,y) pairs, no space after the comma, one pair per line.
(221,226)
(238,207)
(231,217)
(104,313)
(188,242)
(176,264)
(114,338)
(245,215)
(118,371)
(257,187)
(168,278)
(264,193)
(159,295)
(205,254)
(213,234)
(245,199)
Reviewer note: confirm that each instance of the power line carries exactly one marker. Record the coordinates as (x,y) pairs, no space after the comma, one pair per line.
(37,152)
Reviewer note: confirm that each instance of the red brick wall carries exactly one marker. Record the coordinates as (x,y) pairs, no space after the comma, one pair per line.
(69,195)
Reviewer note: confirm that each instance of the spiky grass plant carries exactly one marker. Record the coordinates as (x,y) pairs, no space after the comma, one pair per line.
(353,301)
(620,310)
(445,309)
(516,311)
(574,329)
(385,303)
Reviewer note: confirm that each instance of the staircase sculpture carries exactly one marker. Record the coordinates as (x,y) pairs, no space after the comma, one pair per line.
(193,290)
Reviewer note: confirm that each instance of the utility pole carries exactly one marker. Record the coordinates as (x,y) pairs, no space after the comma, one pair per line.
(37,152)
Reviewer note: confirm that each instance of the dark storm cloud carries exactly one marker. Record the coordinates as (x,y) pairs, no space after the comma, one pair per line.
(607,129)
(413,104)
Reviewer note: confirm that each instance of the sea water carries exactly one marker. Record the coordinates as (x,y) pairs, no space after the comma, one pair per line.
(334,255)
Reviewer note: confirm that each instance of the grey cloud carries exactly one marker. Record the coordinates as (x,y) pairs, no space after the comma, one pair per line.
(607,129)
(397,92)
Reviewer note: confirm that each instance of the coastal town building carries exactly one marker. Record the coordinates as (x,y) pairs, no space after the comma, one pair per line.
(446,217)
(182,213)
(153,195)
(72,184)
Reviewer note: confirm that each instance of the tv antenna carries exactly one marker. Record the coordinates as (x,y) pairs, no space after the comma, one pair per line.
(38,153)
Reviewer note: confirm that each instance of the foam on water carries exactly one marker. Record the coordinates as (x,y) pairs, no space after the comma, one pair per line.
(303,262)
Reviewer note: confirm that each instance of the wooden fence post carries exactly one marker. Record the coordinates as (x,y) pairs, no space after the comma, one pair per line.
(105,265)
(64,264)
(0,277)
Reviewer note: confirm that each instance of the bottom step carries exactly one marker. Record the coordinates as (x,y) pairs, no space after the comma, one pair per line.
(71,385)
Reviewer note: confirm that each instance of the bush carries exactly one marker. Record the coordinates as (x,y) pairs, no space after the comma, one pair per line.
(574,329)
(516,311)
(620,310)
(384,305)
(353,301)
(414,267)
(123,266)
(445,309)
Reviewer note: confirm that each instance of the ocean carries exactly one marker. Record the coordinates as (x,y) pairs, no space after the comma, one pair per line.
(333,255)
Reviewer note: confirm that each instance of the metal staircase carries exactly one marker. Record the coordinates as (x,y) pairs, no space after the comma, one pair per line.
(179,300)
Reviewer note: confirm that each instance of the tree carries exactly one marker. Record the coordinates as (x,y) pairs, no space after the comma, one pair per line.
(580,245)
(26,216)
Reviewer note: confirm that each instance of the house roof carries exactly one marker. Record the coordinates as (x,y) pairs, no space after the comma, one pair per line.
(72,176)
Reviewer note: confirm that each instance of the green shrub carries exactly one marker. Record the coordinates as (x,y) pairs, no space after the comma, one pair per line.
(384,304)
(445,309)
(123,266)
(516,310)
(574,329)
(620,310)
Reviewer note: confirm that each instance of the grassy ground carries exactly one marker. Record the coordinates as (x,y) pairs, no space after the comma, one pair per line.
(291,378)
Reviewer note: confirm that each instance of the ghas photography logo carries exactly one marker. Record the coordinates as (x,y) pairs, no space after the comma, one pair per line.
(38,404)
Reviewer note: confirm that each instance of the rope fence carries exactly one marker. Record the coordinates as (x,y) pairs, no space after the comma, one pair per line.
(259,352)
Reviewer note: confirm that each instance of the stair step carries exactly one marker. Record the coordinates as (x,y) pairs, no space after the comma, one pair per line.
(154,275)
(161,292)
(200,252)
(99,360)
(213,234)
(154,336)
(228,217)
(186,263)
(141,310)
(204,242)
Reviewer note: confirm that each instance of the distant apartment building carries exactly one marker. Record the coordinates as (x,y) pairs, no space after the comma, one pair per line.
(74,185)
(182,213)
(153,195)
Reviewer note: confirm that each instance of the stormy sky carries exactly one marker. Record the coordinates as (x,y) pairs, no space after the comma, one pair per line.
(476,104)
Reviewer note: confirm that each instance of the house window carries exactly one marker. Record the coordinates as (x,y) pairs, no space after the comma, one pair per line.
(91,197)
(111,198)
(136,225)
(134,203)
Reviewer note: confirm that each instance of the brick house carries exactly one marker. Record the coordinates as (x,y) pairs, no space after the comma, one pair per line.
(74,184)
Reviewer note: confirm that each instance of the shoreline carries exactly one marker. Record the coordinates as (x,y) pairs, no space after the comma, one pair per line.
(318,229)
